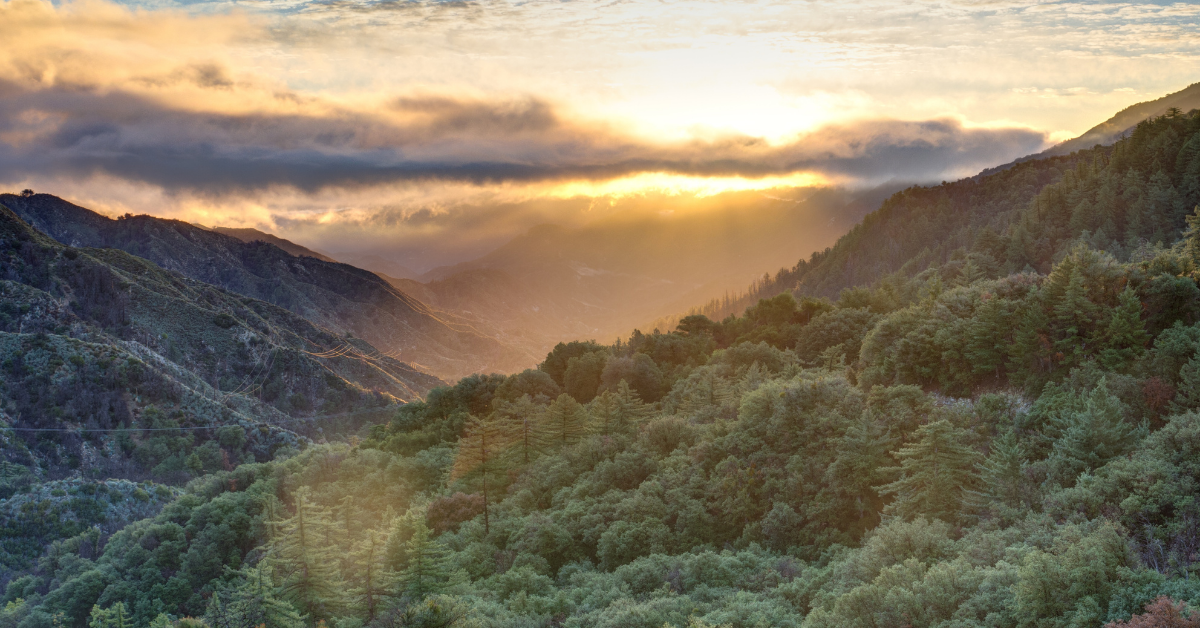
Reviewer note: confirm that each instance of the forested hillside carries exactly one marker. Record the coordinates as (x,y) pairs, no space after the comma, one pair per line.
(113,367)
(1122,199)
(335,296)
(1007,437)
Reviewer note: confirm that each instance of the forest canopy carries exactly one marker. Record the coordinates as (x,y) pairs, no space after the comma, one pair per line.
(1001,430)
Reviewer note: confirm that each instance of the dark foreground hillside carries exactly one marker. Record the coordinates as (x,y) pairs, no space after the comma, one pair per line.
(338,297)
(96,344)
(954,447)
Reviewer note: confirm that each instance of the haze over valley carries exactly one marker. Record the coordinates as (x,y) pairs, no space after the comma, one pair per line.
(574,314)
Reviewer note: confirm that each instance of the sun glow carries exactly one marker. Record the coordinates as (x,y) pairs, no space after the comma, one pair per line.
(674,184)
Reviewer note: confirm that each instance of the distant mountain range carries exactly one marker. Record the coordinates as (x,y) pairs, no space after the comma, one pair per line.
(338,297)
(254,235)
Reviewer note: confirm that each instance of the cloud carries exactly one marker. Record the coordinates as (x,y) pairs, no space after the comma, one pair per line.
(79,131)
(188,103)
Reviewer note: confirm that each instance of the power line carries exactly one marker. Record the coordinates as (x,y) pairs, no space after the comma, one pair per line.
(190,427)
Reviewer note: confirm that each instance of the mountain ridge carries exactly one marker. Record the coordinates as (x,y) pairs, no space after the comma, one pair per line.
(247,234)
(1116,127)
(337,296)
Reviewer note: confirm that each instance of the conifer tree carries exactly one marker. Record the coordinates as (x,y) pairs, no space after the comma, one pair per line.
(1191,236)
(1002,476)
(305,562)
(988,337)
(754,377)
(522,422)
(1088,438)
(971,272)
(479,449)
(1124,337)
(861,464)
(426,571)
(1030,351)
(708,393)
(566,422)
(370,583)
(113,617)
(614,412)
(256,602)
(1074,319)
(1188,397)
(936,472)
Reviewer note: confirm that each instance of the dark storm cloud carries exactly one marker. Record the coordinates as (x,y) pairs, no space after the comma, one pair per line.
(78,131)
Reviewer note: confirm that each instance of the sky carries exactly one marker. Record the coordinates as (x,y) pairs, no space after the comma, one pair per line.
(433,130)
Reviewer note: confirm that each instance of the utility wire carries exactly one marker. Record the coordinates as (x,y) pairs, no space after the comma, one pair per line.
(176,429)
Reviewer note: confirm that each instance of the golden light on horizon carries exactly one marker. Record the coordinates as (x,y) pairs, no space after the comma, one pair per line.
(676,184)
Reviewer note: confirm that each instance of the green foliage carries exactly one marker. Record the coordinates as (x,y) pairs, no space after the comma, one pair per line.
(964,443)
(937,473)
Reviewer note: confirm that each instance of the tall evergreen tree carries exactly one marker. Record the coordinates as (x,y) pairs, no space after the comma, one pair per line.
(1191,236)
(1188,395)
(863,458)
(615,412)
(1074,321)
(971,272)
(479,450)
(1030,357)
(522,421)
(1002,476)
(988,339)
(113,617)
(566,422)
(1124,337)
(254,601)
(936,473)
(305,561)
(1088,438)
(370,582)
(427,570)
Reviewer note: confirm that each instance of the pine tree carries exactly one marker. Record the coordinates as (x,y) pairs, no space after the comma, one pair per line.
(479,449)
(861,463)
(566,422)
(113,617)
(426,570)
(1191,237)
(705,394)
(306,565)
(988,337)
(971,272)
(256,602)
(370,582)
(1029,356)
(1188,397)
(615,412)
(936,472)
(1074,318)
(1002,476)
(522,421)
(1088,438)
(1124,337)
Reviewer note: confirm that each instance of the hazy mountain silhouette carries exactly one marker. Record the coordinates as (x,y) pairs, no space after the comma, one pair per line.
(339,297)
(246,234)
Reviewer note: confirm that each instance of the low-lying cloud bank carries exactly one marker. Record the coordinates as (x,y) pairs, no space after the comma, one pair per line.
(78,131)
